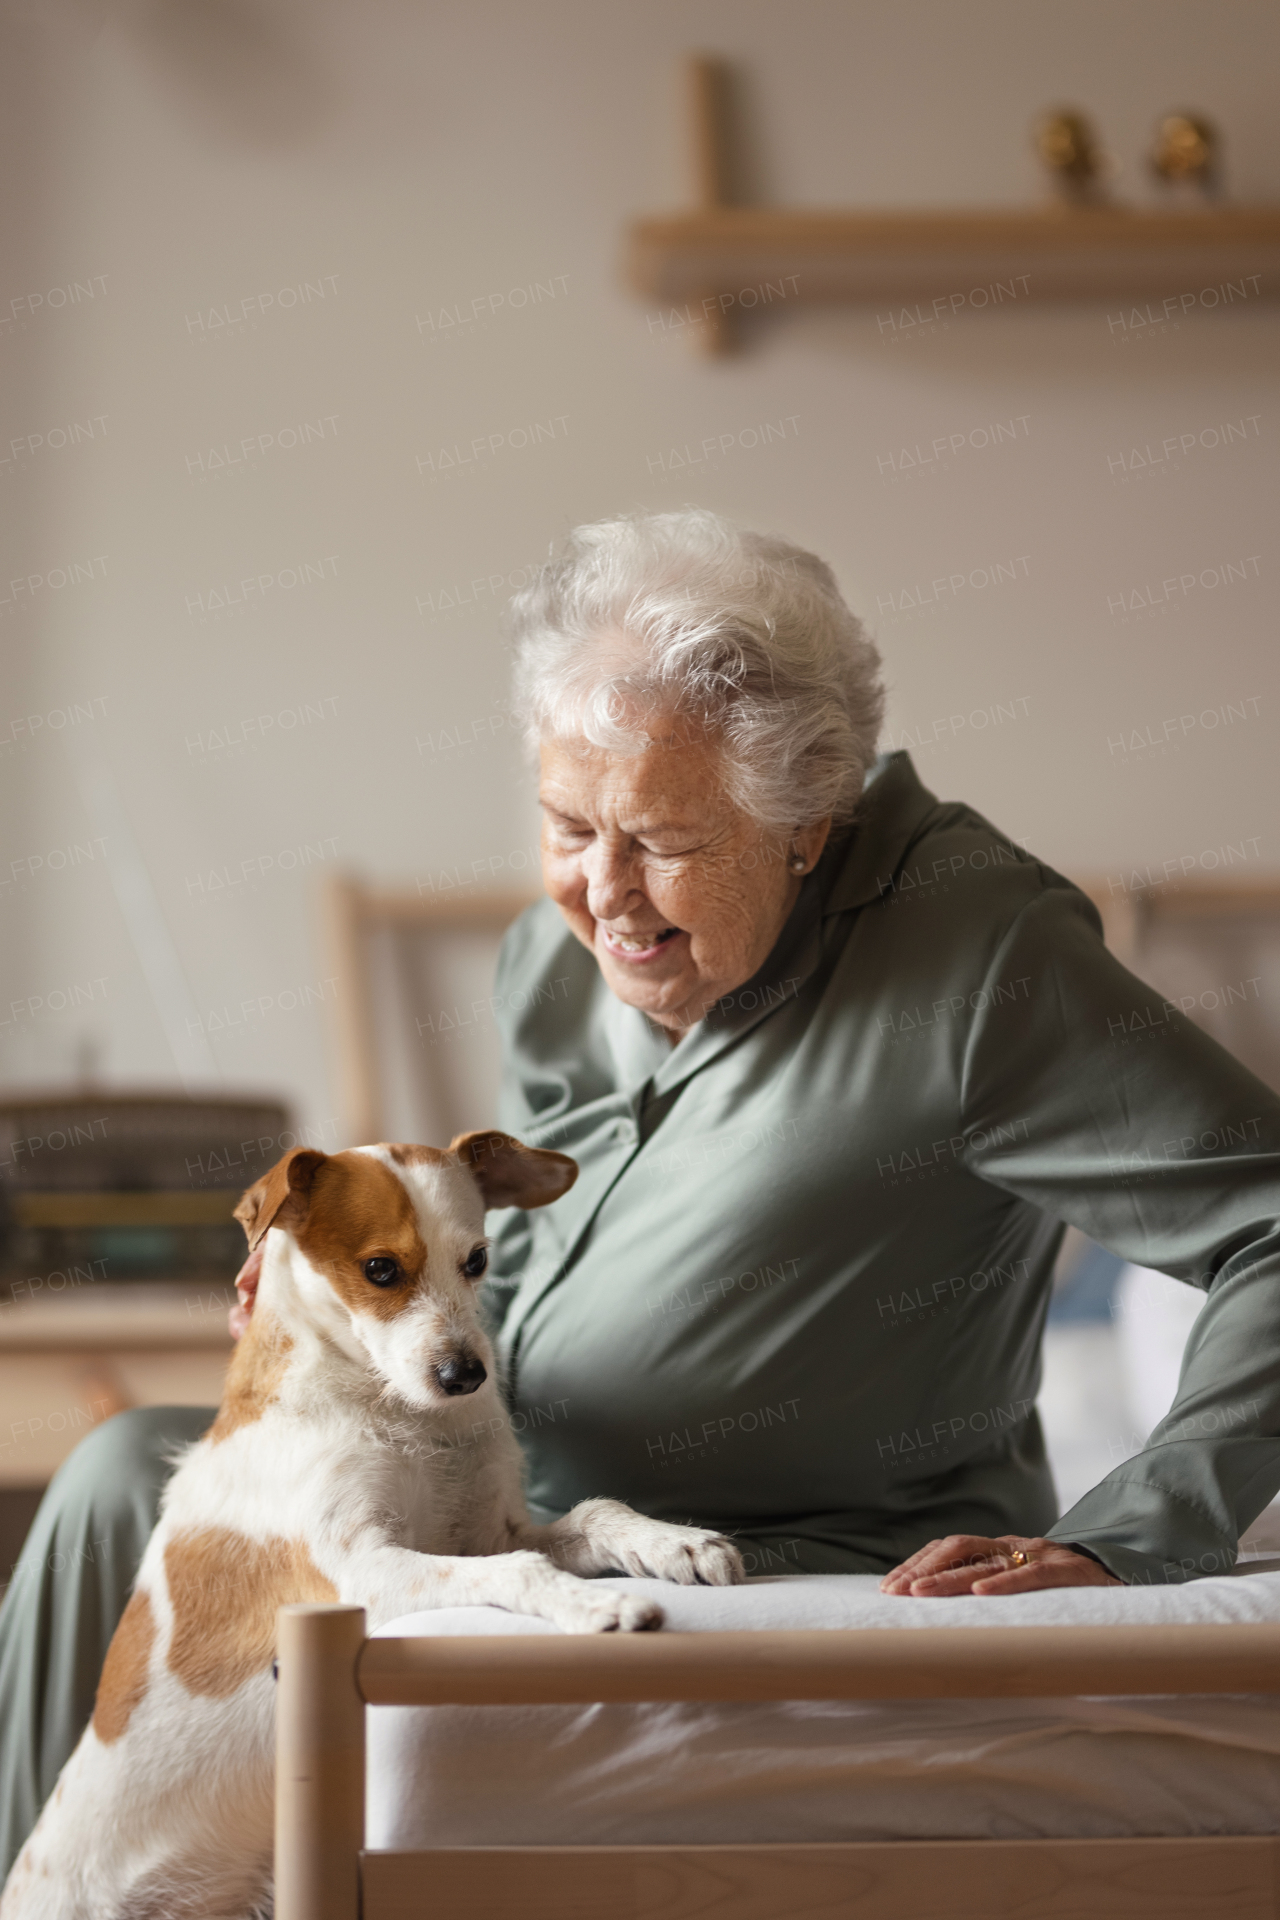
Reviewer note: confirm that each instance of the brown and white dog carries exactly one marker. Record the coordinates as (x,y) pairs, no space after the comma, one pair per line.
(361,1454)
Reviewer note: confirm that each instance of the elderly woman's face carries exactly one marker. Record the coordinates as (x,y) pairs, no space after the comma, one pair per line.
(677,892)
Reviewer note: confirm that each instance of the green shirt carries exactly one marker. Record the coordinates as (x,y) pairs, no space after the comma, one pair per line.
(799,1288)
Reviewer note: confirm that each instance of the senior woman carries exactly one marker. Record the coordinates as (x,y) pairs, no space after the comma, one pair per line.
(836,1061)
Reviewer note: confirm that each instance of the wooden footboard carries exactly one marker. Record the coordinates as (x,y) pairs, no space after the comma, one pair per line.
(329,1672)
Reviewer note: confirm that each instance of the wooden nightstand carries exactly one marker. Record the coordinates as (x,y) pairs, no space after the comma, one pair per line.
(70,1362)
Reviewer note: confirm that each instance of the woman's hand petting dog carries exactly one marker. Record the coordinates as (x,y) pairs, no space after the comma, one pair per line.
(246,1289)
(968,1563)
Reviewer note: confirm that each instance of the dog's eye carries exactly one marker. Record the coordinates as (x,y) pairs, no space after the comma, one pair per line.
(382,1271)
(476,1262)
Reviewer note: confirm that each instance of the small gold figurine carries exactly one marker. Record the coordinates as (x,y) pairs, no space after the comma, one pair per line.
(1186,151)
(1065,141)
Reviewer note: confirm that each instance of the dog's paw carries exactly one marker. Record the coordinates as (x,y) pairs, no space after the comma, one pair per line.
(604,1610)
(533,1585)
(687,1556)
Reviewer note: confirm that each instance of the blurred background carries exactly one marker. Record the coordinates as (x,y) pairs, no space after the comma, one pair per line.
(316,336)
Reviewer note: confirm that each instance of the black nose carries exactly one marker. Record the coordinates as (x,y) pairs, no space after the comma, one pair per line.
(462,1374)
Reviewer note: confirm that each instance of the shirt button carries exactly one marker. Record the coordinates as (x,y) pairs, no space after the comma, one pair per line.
(624,1133)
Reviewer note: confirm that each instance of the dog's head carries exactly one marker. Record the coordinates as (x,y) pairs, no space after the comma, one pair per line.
(388,1244)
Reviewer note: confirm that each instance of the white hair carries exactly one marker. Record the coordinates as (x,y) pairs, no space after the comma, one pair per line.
(739,633)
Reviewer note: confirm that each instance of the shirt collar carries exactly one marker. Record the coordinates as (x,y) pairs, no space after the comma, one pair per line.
(857,868)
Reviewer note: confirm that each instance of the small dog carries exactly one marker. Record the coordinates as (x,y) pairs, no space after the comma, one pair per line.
(361,1454)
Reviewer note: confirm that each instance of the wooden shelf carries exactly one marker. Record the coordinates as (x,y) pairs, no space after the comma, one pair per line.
(717,259)
(138,1315)
(1054,254)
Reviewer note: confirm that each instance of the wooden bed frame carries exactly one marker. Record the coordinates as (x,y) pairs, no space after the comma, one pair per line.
(329,1672)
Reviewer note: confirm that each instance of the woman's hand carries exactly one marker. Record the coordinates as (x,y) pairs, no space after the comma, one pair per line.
(968,1563)
(246,1288)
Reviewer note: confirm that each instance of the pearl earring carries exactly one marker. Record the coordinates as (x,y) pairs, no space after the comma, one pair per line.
(796,863)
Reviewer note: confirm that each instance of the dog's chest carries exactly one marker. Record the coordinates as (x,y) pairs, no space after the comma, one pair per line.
(432,1490)
(451,1492)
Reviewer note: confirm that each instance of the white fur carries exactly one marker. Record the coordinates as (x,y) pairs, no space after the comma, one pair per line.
(405,1499)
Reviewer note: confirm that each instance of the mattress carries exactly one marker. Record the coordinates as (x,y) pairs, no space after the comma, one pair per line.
(828,1771)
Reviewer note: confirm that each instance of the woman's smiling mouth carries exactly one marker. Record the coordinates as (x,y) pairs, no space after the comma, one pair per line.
(635,947)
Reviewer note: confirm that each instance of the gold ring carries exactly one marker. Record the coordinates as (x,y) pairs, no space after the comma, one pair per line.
(1019,1558)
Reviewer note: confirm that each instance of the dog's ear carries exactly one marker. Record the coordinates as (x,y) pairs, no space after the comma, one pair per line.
(511,1174)
(281,1197)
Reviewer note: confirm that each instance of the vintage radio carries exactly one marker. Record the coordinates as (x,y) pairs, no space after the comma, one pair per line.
(129,1187)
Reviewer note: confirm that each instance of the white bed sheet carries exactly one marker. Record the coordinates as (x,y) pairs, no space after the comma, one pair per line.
(822,1771)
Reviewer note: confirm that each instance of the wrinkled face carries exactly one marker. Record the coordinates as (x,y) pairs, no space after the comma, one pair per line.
(385,1246)
(678,893)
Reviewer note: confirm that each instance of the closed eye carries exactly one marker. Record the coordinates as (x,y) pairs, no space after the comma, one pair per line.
(382,1271)
(476,1262)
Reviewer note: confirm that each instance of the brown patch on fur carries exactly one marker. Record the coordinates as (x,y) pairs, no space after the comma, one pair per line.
(255,1374)
(406,1155)
(224,1589)
(124,1672)
(280,1198)
(509,1174)
(359,1211)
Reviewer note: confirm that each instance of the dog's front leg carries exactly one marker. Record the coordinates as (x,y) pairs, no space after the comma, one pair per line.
(389,1580)
(604,1536)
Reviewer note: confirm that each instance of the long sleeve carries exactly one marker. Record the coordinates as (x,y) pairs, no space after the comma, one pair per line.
(799,1287)
(1088,1095)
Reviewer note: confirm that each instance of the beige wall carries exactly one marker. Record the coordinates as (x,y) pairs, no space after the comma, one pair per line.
(179,159)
